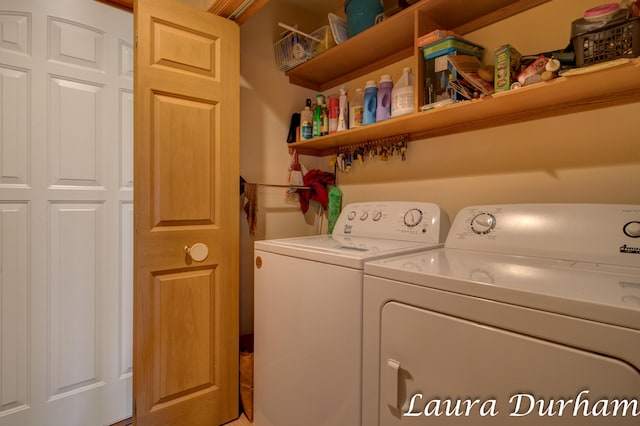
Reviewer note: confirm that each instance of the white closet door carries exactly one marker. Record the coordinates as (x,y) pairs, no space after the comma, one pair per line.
(66,145)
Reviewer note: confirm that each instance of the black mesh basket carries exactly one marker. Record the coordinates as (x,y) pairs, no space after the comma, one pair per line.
(621,40)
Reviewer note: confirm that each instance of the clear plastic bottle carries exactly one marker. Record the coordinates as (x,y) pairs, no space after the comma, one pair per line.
(356,107)
(370,102)
(402,94)
(306,122)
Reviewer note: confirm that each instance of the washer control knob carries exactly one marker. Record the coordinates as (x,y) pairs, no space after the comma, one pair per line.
(413,217)
(632,229)
(483,223)
(352,215)
(364,215)
(377,216)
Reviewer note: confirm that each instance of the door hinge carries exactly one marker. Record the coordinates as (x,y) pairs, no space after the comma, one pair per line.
(136,39)
(134,408)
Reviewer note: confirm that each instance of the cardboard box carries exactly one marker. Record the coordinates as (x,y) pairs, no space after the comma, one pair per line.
(507,62)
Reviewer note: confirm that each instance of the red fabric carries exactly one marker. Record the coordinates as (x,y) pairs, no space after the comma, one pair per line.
(317,181)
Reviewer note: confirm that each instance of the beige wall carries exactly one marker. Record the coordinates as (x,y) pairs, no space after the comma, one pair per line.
(587,157)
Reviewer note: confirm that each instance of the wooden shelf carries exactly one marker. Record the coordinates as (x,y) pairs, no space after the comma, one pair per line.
(608,87)
(394,39)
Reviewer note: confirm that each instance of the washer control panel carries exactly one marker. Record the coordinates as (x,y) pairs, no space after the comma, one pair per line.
(410,221)
(604,233)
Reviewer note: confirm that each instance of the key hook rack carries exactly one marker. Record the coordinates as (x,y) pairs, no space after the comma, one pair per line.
(382,148)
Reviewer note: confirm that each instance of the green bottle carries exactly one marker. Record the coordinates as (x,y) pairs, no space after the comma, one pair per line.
(320,117)
(333,207)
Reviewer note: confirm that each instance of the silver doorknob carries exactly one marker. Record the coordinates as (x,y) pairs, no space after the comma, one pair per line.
(198,251)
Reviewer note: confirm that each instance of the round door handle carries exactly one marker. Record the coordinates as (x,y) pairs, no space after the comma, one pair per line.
(198,251)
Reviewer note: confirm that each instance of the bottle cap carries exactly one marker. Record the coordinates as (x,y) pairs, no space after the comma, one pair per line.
(385,78)
(370,83)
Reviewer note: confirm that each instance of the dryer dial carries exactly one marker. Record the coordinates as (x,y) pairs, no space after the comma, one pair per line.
(413,217)
(483,223)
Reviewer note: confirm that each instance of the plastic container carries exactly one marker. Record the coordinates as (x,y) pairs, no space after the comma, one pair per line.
(320,117)
(361,14)
(333,207)
(599,17)
(306,122)
(616,40)
(605,33)
(334,110)
(326,40)
(370,102)
(356,107)
(402,95)
(451,44)
(343,113)
(383,109)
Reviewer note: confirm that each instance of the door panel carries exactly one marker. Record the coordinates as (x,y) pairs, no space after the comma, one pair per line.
(183,193)
(186,173)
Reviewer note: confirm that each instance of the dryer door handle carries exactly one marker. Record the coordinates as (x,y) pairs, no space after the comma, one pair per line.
(392,382)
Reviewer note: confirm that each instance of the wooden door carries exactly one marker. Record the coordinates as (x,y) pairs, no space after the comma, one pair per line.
(186,168)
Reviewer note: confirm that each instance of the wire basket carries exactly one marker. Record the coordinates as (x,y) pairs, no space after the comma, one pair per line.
(297,47)
(617,41)
(291,51)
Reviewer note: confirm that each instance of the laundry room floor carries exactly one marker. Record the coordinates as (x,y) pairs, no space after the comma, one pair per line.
(241,421)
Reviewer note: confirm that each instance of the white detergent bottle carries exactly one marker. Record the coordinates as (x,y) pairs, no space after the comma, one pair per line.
(402,94)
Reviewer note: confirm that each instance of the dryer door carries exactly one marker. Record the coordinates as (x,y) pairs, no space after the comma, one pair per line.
(439,369)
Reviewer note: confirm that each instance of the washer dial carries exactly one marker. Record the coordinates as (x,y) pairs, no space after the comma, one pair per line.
(413,217)
(483,223)
(632,229)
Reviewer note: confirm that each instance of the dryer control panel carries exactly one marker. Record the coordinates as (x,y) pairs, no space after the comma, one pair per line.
(398,220)
(600,233)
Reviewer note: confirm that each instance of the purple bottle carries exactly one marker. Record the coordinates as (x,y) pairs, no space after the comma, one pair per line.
(383,110)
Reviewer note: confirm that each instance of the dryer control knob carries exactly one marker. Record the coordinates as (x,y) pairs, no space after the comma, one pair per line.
(483,223)
(632,229)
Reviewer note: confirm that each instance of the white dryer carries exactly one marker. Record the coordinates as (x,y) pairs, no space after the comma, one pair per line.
(529,315)
(308,310)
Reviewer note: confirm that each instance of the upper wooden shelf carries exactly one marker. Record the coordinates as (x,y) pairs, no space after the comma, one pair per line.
(394,38)
(569,94)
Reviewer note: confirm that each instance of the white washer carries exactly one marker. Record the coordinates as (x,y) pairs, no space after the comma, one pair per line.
(527,312)
(308,310)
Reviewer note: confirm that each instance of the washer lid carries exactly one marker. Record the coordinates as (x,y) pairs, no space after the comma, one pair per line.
(340,250)
(592,291)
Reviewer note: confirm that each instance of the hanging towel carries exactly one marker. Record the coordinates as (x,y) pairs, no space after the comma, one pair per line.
(317,181)
(251,205)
